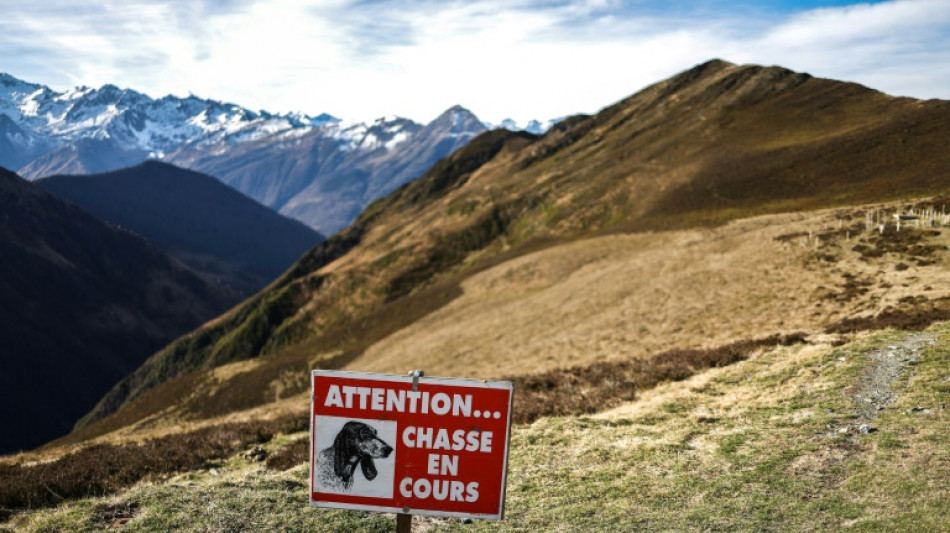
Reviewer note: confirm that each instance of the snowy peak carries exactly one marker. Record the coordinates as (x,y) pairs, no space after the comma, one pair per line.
(456,123)
(10,85)
(457,119)
(13,92)
(301,120)
(384,132)
(532,126)
(135,121)
(317,168)
(389,132)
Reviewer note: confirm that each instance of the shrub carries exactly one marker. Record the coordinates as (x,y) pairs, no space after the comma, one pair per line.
(587,389)
(103,469)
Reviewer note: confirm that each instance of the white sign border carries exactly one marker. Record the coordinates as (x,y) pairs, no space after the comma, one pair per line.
(375,376)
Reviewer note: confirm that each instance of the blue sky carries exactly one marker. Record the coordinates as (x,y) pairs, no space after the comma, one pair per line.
(361,59)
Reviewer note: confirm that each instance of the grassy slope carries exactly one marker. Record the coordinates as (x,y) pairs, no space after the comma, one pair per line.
(585,301)
(714,144)
(753,446)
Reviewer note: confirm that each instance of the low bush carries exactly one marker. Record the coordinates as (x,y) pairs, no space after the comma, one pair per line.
(103,469)
(907,315)
(290,456)
(587,389)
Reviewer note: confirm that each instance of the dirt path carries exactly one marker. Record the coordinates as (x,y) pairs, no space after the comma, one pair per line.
(872,392)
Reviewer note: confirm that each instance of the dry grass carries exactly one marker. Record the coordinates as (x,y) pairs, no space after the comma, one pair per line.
(744,447)
(714,145)
(101,469)
(628,296)
(588,389)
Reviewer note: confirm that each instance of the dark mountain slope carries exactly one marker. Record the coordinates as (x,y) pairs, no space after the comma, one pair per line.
(713,144)
(204,223)
(81,305)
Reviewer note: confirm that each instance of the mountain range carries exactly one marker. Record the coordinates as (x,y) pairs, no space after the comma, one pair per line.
(487,263)
(82,304)
(317,169)
(205,224)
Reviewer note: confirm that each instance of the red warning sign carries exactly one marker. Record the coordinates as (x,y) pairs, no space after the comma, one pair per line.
(379,444)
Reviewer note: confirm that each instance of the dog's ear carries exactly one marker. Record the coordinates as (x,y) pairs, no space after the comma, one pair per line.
(345,453)
(369,467)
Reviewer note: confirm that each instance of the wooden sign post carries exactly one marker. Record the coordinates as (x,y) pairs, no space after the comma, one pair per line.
(404,520)
(409,445)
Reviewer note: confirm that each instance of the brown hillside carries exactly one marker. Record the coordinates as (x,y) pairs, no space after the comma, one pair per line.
(602,240)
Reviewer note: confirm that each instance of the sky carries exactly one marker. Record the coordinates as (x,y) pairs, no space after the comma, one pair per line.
(520,59)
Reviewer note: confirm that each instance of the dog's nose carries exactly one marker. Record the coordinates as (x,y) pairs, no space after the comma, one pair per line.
(387,450)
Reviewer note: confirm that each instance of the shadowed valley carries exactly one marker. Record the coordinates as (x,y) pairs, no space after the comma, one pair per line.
(82,304)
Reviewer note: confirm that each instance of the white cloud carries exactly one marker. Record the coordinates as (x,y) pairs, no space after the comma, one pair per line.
(893,46)
(862,22)
(523,59)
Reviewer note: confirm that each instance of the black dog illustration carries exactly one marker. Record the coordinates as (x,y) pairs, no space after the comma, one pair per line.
(356,443)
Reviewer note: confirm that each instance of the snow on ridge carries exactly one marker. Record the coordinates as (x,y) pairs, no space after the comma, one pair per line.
(157,126)
(397,139)
(350,133)
(384,132)
(531,126)
(295,133)
(30,106)
(73,94)
(161,126)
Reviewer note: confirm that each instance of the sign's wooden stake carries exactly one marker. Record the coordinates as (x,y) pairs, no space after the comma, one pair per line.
(404,520)
(403,523)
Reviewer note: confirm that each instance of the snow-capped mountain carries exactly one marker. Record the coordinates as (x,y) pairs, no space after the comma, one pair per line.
(319,169)
(325,177)
(128,120)
(534,126)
